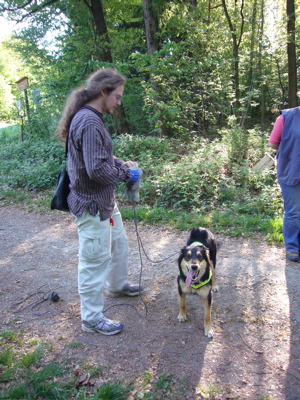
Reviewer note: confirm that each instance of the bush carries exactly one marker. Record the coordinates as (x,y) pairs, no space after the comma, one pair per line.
(199,177)
(31,164)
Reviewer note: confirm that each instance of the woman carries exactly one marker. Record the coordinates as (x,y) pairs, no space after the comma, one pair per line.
(285,138)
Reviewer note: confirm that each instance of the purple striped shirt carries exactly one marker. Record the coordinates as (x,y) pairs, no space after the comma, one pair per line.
(93,170)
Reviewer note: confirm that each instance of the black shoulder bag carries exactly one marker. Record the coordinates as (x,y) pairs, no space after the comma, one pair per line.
(59,199)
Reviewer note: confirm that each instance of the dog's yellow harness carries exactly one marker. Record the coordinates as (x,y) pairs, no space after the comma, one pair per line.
(200,284)
(197,244)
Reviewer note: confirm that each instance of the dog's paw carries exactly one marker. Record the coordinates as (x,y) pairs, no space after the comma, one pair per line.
(215,288)
(182,318)
(209,333)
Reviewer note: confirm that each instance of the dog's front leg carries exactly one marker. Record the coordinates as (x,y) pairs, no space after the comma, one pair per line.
(207,301)
(215,287)
(182,307)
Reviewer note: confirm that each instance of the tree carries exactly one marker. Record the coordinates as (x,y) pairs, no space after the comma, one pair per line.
(291,53)
(236,35)
(32,8)
(260,67)
(150,26)
(182,77)
(11,69)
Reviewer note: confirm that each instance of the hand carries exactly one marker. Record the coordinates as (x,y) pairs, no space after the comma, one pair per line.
(135,174)
(130,164)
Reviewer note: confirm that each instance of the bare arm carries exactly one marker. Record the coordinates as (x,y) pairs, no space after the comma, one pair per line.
(276,133)
(274,146)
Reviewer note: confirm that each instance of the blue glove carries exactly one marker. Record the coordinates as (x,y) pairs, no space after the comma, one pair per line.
(134,174)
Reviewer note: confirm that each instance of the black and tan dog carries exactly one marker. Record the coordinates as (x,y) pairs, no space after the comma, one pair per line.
(197,263)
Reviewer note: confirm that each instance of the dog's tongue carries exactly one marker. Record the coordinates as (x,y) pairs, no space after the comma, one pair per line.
(190,277)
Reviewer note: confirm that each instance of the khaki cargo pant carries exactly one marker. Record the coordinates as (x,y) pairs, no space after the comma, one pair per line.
(103,260)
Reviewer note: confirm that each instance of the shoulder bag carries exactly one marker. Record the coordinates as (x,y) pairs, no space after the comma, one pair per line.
(59,199)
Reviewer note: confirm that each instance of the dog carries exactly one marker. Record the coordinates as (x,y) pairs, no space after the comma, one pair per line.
(197,263)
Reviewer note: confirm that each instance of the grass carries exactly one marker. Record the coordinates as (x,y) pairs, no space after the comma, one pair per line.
(225,222)
(27,375)
(34,374)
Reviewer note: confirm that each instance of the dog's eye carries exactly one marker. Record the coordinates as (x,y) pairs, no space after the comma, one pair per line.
(187,257)
(199,256)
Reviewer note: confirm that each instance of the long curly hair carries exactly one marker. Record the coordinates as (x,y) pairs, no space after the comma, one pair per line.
(105,78)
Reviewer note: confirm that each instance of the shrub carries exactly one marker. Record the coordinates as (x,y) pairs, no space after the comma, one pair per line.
(31,164)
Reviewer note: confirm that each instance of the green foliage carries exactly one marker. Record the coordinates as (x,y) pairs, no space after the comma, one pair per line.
(151,152)
(186,86)
(164,383)
(9,336)
(10,68)
(201,175)
(194,178)
(33,164)
(6,357)
(32,358)
(111,391)
(182,180)
(6,100)
(237,141)
(199,180)
(27,375)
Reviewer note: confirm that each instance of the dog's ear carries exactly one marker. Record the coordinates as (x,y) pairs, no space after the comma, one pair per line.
(207,254)
(209,261)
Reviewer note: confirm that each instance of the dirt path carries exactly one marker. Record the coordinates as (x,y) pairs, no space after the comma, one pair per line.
(256,315)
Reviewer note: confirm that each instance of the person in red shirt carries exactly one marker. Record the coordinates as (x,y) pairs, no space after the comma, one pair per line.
(285,138)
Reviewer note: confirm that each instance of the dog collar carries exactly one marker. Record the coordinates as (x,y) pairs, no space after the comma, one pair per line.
(197,244)
(200,284)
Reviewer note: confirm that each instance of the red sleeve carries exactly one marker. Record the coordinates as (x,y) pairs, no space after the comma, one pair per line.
(276,133)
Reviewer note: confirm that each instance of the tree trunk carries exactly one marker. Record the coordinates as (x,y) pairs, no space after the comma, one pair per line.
(152,46)
(236,43)
(291,52)
(150,27)
(252,45)
(97,12)
(260,68)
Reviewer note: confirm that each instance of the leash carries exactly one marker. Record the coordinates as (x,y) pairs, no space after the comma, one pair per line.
(41,297)
(141,250)
(140,243)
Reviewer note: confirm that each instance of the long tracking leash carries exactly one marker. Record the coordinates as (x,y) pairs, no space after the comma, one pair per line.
(141,250)
(42,296)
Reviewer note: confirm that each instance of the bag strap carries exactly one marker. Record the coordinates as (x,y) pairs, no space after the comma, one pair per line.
(66,149)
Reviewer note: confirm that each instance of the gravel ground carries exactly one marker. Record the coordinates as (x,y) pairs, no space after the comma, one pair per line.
(253,355)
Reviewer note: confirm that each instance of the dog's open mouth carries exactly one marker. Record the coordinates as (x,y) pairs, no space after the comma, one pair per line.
(191,277)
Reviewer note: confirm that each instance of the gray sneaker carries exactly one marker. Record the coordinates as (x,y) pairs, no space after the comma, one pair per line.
(128,290)
(105,326)
(293,256)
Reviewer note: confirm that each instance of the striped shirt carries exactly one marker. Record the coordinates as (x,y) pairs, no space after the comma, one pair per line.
(93,170)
